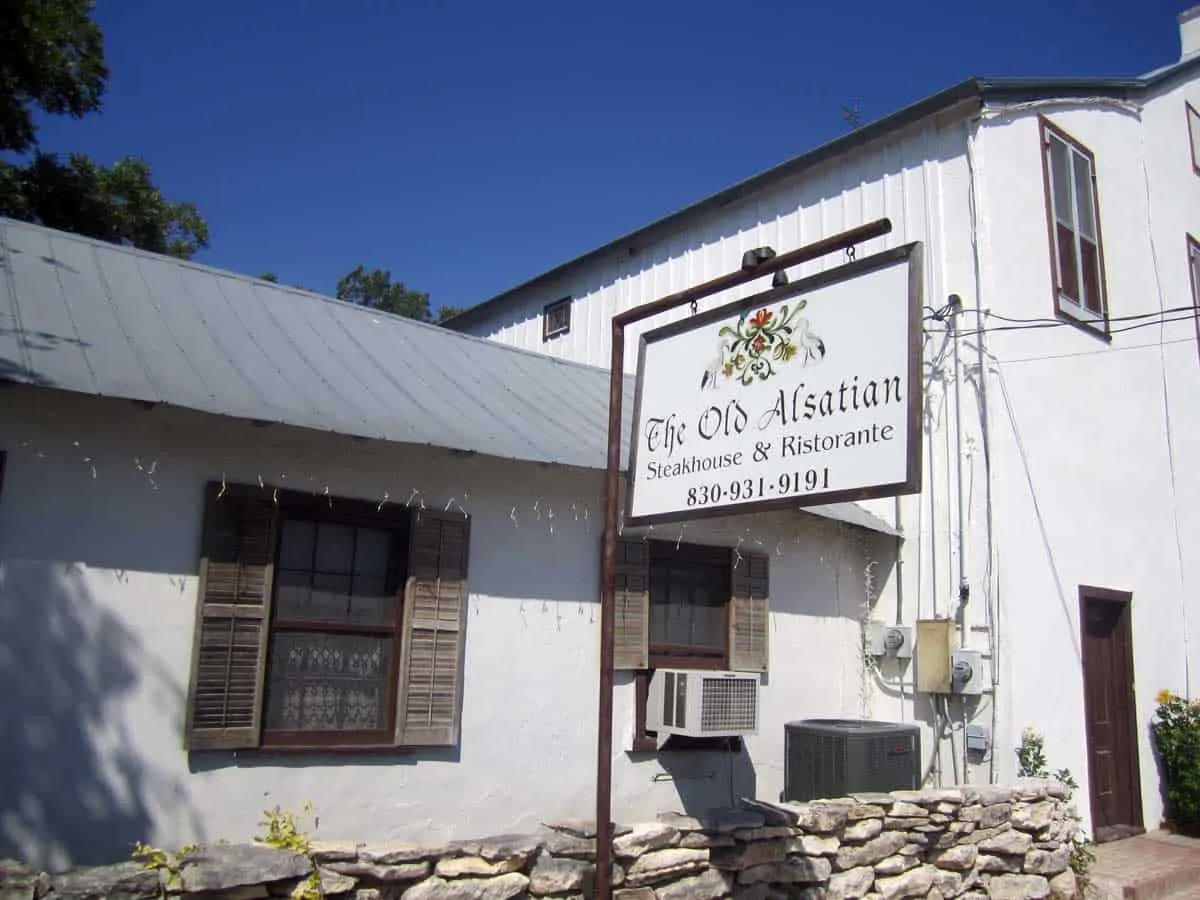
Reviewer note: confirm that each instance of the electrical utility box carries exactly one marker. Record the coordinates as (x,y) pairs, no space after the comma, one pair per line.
(890,640)
(935,644)
(966,672)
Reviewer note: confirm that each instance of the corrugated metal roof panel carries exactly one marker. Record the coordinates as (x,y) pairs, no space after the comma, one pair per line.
(82,315)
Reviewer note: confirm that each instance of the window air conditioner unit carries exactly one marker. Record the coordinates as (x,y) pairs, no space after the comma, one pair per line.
(700,703)
(826,758)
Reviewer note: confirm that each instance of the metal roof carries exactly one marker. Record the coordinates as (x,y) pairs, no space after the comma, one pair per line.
(967,95)
(87,316)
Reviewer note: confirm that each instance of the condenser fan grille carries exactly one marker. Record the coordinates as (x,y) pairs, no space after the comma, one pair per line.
(729,705)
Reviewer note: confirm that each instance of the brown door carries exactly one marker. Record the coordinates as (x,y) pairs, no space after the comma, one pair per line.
(1108,705)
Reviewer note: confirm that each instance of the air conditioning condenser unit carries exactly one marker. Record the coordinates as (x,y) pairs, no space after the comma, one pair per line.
(826,758)
(698,703)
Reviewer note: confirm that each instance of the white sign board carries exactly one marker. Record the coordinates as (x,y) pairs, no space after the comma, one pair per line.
(805,394)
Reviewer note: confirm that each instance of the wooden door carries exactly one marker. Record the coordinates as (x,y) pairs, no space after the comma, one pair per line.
(1109,708)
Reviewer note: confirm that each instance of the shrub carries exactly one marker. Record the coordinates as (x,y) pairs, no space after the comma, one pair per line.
(1031,763)
(1177,735)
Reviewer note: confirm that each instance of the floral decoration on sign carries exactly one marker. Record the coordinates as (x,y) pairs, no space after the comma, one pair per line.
(754,348)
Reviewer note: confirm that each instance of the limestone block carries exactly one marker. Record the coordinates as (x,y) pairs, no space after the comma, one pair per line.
(871,852)
(916,883)
(661,865)
(708,885)
(1042,862)
(862,830)
(1018,887)
(502,887)
(644,838)
(225,866)
(795,869)
(814,845)
(851,884)
(894,865)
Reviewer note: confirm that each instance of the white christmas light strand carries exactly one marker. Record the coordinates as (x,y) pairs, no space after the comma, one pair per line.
(542,510)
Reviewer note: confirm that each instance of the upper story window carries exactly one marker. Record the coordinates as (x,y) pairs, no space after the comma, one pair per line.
(1072,211)
(1193,118)
(556,318)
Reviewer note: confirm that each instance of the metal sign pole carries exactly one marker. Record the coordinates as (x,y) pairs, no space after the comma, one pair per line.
(755,267)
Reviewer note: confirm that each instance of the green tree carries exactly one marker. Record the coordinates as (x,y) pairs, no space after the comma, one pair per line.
(120,204)
(376,290)
(52,59)
(448,312)
(269,276)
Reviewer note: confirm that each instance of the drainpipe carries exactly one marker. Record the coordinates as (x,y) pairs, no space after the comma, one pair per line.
(964,590)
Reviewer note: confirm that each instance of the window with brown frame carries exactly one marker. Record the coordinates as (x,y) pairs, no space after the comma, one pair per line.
(556,319)
(686,606)
(335,626)
(1194,269)
(1072,212)
(1193,122)
(326,622)
(689,597)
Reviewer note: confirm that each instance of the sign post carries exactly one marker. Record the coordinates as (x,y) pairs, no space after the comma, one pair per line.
(754,269)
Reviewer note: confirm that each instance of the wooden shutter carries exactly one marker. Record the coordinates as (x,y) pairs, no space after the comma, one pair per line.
(749,612)
(233,613)
(435,618)
(631,624)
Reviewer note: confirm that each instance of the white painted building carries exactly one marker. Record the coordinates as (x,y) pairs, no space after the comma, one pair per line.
(259,547)
(445,680)
(1065,214)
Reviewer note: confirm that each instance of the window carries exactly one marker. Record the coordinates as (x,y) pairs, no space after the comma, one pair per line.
(686,606)
(1069,171)
(1194,268)
(689,592)
(326,623)
(335,631)
(556,318)
(1193,120)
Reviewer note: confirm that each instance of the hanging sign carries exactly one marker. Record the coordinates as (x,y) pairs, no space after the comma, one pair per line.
(806,394)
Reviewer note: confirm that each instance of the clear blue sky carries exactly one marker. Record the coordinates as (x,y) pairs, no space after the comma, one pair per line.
(469,146)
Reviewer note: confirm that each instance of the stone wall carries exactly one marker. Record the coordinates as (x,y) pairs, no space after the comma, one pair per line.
(972,842)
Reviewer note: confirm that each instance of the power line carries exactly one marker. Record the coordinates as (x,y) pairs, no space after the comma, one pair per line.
(1167,316)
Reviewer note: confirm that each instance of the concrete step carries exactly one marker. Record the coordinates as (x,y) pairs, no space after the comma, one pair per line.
(1156,866)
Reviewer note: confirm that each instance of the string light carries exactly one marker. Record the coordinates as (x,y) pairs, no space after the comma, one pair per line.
(543,510)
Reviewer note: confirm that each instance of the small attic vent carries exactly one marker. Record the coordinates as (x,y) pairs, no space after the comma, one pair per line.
(556,318)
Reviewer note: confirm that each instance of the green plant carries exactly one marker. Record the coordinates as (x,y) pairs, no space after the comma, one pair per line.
(1031,755)
(283,830)
(1032,763)
(1176,729)
(172,863)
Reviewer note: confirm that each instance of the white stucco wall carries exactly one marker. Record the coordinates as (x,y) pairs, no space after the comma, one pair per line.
(100,522)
